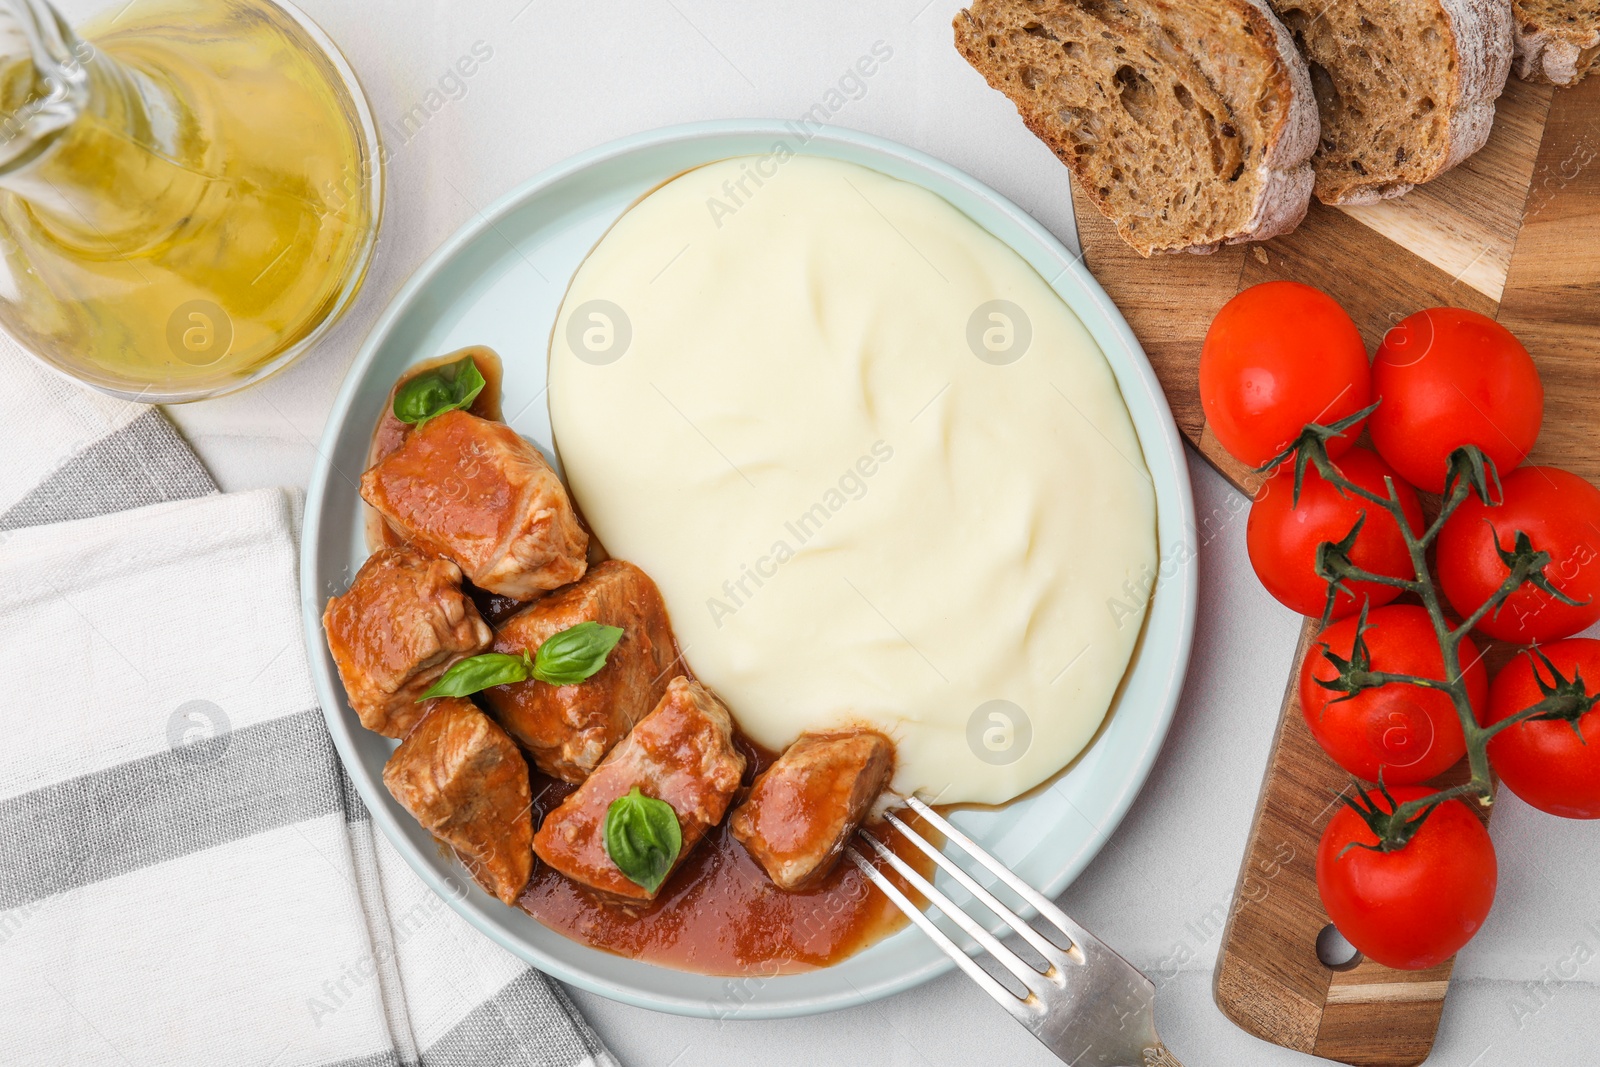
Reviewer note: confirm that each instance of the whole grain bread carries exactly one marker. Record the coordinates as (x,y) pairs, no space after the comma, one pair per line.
(1188,123)
(1556,40)
(1406,88)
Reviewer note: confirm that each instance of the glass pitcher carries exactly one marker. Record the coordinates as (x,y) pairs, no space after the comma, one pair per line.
(189,192)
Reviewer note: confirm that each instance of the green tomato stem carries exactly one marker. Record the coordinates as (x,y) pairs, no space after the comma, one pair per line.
(1480,784)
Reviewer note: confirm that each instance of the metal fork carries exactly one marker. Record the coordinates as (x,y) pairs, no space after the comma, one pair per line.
(1089,1006)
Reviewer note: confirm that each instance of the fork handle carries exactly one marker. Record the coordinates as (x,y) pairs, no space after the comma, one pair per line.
(1160,1057)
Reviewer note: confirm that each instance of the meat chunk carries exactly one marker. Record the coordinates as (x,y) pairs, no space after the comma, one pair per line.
(475,491)
(804,808)
(400,625)
(466,782)
(390,433)
(682,753)
(568,729)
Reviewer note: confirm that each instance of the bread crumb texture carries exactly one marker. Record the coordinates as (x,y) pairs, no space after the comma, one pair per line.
(1405,88)
(1189,123)
(1556,40)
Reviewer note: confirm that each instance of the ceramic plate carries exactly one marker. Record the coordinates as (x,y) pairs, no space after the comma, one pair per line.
(499,282)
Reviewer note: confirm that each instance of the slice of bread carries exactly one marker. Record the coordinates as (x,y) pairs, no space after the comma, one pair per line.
(1406,87)
(1557,40)
(1189,123)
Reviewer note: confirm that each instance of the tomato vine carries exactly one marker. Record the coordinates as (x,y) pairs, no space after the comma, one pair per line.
(1470,472)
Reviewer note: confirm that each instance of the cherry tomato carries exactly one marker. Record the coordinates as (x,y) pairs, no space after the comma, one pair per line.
(1410,733)
(1450,377)
(1415,907)
(1543,761)
(1560,513)
(1283,539)
(1278,356)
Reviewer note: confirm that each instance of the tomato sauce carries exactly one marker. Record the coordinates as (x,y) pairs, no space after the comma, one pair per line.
(719,913)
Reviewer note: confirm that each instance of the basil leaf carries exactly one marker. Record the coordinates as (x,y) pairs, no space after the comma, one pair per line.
(575,653)
(422,397)
(565,658)
(437,391)
(476,673)
(468,382)
(642,838)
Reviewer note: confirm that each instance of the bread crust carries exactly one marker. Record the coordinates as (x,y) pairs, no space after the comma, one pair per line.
(1484,47)
(1560,55)
(1284,173)
(1287,176)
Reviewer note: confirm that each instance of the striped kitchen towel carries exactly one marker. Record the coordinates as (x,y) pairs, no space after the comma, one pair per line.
(186,876)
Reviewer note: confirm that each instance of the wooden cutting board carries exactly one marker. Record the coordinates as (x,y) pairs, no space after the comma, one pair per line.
(1514,233)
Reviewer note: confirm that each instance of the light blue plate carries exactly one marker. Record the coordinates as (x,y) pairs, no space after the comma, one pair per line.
(499,282)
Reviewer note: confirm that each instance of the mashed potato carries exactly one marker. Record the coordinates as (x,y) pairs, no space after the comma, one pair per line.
(879,470)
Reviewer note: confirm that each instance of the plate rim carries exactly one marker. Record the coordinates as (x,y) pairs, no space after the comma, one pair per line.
(1184,582)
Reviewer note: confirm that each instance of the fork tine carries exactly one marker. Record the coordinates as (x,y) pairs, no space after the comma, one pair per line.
(1081,938)
(1024,973)
(1023,1011)
(1097,1013)
(1055,956)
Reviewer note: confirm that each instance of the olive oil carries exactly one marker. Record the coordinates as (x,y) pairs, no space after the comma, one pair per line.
(207,205)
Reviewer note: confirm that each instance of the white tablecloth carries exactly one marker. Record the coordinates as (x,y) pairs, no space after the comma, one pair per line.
(565,75)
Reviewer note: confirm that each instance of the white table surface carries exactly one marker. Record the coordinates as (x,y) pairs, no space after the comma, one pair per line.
(566,75)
